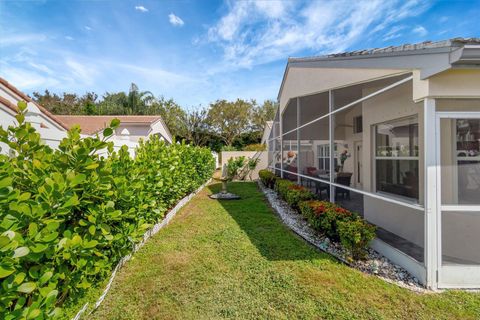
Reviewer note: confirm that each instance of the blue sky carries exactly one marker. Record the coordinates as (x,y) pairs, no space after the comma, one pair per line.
(200,51)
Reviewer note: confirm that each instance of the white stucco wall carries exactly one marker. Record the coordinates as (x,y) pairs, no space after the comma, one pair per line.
(158,127)
(391,105)
(454,83)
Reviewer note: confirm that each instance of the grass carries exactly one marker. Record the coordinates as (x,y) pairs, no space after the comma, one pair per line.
(237,260)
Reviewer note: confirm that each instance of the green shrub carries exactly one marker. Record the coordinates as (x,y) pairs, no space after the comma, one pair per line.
(331,217)
(325,217)
(339,224)
(281,186)
(234,167)
(255,147)
(355,236)
(268,178)
(229,148)
(313,211)
(67,216)
(296,194)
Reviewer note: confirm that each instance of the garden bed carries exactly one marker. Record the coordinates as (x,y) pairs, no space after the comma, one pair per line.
(374,263)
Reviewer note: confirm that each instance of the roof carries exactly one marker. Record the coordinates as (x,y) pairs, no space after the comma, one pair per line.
(429,57)
(28,99)
(404,48)
(93,124)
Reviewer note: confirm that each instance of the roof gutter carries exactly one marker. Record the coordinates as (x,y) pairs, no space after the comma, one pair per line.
(468,55)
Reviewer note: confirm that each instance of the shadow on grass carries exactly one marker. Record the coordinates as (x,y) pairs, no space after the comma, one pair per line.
(266,232)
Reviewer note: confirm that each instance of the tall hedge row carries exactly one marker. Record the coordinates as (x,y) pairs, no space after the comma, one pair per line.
(68,215)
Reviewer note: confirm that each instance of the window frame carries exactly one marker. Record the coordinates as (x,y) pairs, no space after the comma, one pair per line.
(356,120)
(326,159)
(410,200)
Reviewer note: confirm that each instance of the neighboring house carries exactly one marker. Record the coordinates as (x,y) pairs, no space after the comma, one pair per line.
(132,128)
(50,127)
(393,134)
(36,114)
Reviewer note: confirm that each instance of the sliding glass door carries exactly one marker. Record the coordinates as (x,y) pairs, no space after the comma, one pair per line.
(458,158)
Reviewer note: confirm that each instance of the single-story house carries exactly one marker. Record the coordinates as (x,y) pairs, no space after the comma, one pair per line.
(50,127)
(132,128)
(40,117)
(53,128)
(394,134)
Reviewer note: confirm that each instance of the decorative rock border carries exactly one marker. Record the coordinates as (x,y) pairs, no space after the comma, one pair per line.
(147,235)
(374,264)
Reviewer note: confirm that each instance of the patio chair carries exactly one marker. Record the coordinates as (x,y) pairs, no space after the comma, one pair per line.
(309,171)
(320,187)
(291,176)
(344,179)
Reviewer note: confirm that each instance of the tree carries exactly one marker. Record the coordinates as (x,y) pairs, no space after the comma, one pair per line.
(173,115)
(113,103)
(88,103)
(229,119)
(196,128)
(138,101)
(68,103)
(262,114)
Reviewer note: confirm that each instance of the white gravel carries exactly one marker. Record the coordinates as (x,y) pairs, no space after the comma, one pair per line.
(374,264)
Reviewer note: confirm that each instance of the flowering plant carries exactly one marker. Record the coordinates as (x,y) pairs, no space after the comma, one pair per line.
(343,157)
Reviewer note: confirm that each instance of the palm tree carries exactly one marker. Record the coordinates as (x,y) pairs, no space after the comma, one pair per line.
(138,101)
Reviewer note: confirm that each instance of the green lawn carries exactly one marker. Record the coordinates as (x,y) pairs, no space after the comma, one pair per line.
(237,260)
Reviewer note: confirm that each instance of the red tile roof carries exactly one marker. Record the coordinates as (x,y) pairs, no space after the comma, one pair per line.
(93,124)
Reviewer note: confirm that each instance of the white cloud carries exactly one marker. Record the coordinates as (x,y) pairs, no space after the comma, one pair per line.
(421,31)
(40,67)
(19,39)
(175,20)
(88,28)
(393,33)
(25,78)
(70,38)
(153,74)
(141,8)
(257,32)
(80,72)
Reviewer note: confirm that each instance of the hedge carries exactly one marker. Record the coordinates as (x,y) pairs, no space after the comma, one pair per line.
(68,215)
(293,194)
(296,194)
(338,224)
(267,177)
(281,186)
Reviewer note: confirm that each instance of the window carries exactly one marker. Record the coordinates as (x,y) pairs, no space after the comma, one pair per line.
(324,157)
(358,124)
(396,158)
(290,145)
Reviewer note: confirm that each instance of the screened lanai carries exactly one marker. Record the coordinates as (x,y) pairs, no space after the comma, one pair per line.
(324,146)
(400,147)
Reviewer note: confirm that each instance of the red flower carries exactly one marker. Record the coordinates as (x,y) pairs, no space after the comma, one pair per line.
(296,187)
(342,211)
